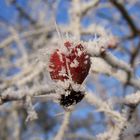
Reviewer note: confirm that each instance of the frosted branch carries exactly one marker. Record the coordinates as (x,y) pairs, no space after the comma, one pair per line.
(118,119)
(24,35)
(81,137)
(129,100)
(32,115)
(99,65)
(103,106)
(63,127)
(87,6)
(95,48)
(10,95)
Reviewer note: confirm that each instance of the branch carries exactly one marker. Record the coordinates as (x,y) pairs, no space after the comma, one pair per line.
(63,127)
(10,95)
(130,100)
(99,65)
(104,107)
(32,115)
(134,54)
(80,136)
(95,48)
(88,5)
(118,119)
(126,16)
(22,12)
(25,35)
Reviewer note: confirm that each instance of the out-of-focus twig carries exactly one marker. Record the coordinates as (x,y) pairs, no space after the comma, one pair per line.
(126,16)
(10,95)
(63,127)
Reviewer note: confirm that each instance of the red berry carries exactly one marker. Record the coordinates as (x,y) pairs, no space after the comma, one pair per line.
(69,63)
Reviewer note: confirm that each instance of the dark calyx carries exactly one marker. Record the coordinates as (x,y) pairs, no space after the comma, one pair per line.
(73,98)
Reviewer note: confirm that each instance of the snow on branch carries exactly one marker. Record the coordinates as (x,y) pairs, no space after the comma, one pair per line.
(81,136)
(99,65)
(63,127)
(32,115)
(123,123)
(118,119)
(24,35)
(11,95)
(98,48)
(103,107)
(88,5)
(130,100)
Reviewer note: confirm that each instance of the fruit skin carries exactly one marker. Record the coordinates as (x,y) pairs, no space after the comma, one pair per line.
(74,64)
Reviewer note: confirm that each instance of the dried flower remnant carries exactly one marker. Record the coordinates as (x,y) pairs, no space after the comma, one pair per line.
(113,42)
(70,63)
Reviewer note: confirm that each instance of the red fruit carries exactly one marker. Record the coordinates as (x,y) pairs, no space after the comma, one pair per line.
(70,63)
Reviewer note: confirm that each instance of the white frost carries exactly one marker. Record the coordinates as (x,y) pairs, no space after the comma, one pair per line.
(79,52)
(74,64)
(63,72)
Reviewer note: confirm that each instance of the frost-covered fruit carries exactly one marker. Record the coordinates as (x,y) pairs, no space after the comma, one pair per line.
(70,63)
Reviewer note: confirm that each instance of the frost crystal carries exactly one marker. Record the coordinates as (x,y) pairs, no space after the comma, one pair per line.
(74,64)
